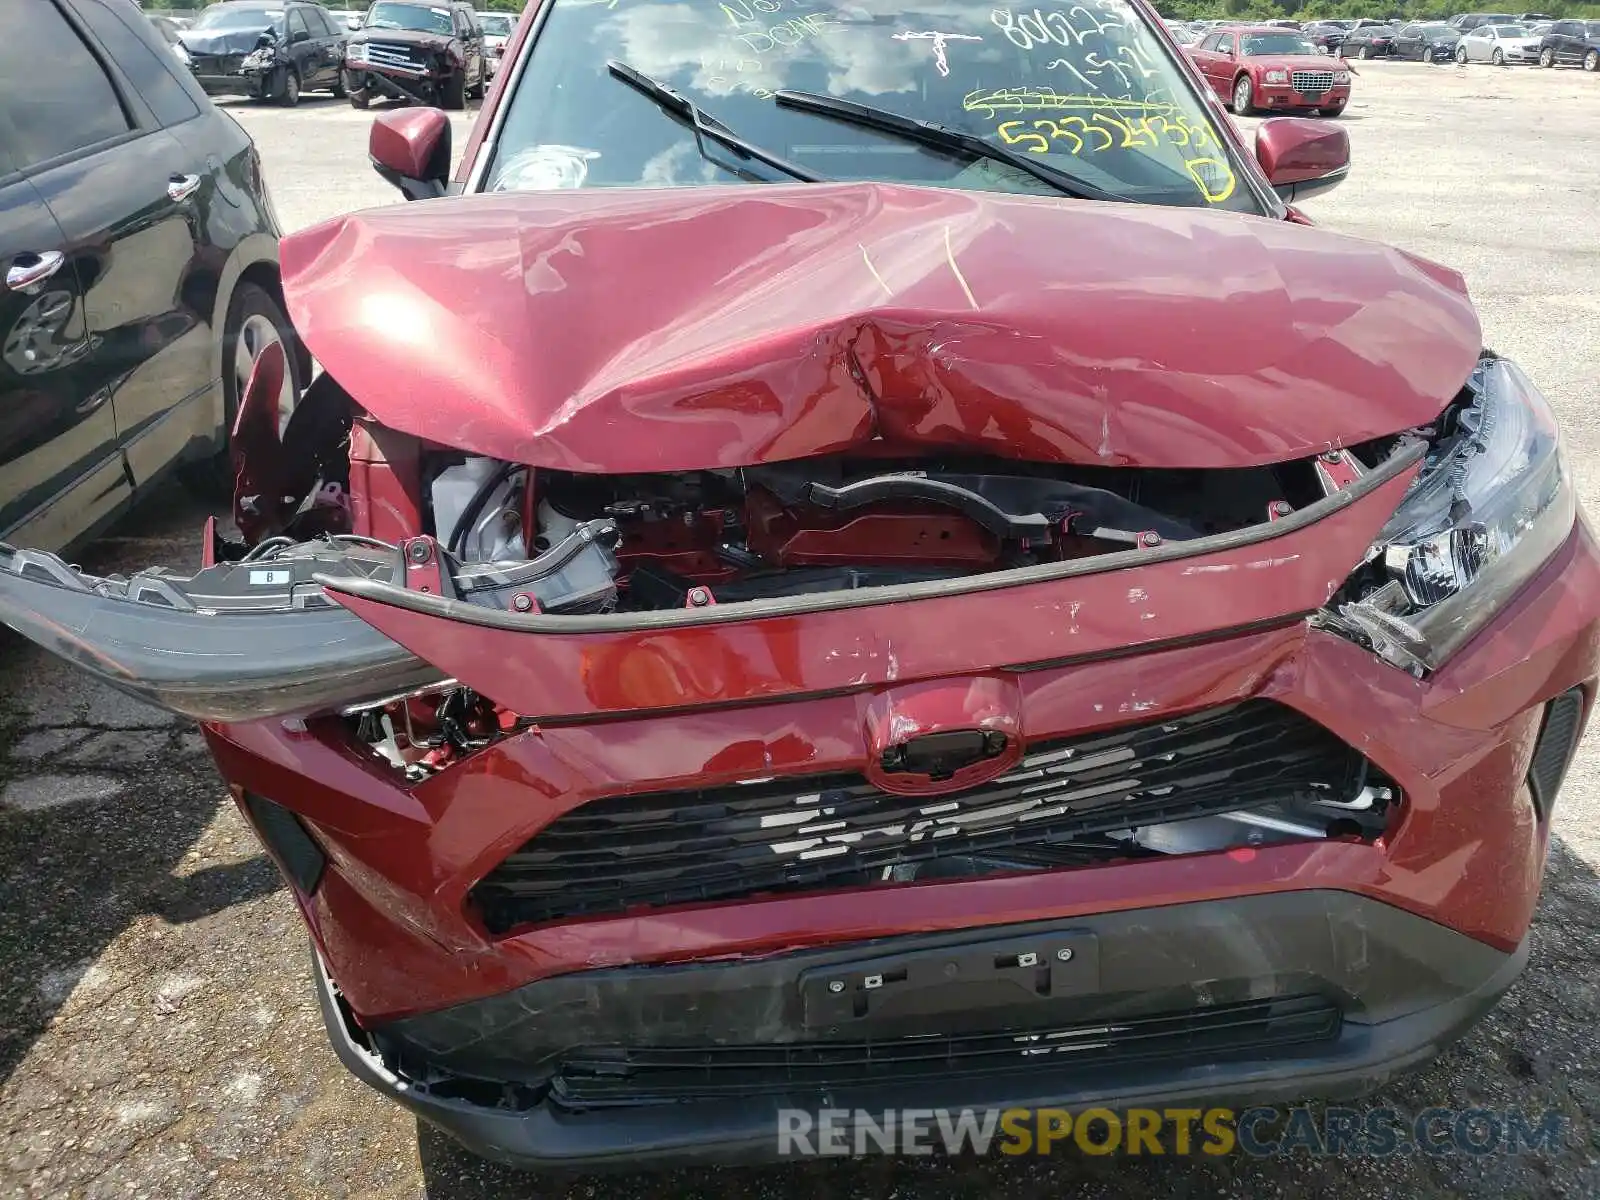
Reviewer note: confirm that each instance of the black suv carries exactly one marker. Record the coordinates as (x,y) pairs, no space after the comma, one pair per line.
(140,260)
(419,51)
(266,50)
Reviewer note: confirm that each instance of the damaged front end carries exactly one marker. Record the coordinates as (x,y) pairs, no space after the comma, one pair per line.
(906,459)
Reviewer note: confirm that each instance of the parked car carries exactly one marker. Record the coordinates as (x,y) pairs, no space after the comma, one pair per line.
(169,31)
(497,30)
(1432,41)
(1528,18)
(1326,36)
(791,638)
(1181,33)
(266,51)
(1466,22)
(1497,44)
(1258,67)
(346,18)
(1571,42)
(140,256)
(1373,41)
(419,51)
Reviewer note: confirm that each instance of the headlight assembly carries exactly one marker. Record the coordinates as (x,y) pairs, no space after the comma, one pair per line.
(1276,76)
(1491,504)
(1341,76)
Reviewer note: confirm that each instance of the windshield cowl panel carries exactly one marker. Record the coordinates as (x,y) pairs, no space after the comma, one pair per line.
(1091,90)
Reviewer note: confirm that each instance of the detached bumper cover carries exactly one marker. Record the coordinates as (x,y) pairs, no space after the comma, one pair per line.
(587,1069)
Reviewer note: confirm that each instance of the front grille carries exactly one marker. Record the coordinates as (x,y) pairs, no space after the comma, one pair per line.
(1311,81)
(216,64)
(395,54)
(613,1076)
(803,833)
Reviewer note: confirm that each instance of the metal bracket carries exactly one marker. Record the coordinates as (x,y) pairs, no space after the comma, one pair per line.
(1337,470)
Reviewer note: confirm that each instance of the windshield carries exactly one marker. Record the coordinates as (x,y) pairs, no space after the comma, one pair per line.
(495,24)
(219,18)
(1436,31)
(1278,43)
(423,18)
(1510,31)
(1094,93)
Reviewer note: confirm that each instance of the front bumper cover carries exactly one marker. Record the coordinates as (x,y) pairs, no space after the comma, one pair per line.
(1404,986)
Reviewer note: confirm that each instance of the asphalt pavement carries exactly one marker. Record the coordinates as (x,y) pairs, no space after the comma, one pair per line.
(158,1035)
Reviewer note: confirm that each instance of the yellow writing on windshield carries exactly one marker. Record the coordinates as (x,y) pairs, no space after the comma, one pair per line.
(1081,125)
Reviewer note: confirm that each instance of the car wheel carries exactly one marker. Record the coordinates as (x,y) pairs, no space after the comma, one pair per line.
(338,88)
(1364,53)
(1243,96)
(1461,55)
(1547,57)
(1591,61)
(291,89)
(254,322)
(1497,59)
(1334,111)
(453,92)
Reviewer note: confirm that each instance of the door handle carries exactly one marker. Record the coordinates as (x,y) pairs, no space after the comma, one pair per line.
(29,269)
(181,187)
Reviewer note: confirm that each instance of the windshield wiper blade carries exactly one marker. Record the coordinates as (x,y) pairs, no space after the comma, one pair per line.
(943,137)
(676,104)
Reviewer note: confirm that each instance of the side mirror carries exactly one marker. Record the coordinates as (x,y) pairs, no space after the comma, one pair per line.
(353,24)
(410,148)
(1302,158)
(298,36)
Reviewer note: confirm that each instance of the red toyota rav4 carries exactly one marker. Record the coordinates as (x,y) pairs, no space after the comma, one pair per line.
(866,553)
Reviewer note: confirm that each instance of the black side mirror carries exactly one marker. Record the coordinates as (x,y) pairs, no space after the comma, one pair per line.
(298,37)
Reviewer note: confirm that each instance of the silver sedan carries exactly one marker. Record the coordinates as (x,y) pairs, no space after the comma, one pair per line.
(1498,44)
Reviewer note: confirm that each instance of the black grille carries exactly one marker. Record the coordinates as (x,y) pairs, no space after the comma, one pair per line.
(1563,725)
(606,1076)
(796,834)
(216,64)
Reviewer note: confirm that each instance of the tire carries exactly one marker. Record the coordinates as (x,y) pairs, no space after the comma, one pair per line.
(453,92)
(291,89)
(338,88)
(1461,55)
(253,318)
(1364,53)
(1243,96)
(1591,61)
(1333,112)
(1547,58)
(1497,59)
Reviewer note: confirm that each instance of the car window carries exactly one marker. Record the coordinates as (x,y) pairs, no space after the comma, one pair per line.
(319,22)
(1594,29)
(1225,46)
(297,23)
(1280,43)
(1098,96)
(65,109)
(153,75)
(221,17)
(1211,41)
(423,18)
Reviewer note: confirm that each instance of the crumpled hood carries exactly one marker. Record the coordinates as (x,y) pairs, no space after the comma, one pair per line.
(223,41)
(407,37)
(626,330)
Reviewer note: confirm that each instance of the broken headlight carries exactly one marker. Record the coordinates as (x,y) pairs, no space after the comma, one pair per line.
(1491,504)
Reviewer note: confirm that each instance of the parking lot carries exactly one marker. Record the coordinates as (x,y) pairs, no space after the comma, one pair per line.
(158,1036)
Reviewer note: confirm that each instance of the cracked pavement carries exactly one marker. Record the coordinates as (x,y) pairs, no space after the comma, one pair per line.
(158,1034)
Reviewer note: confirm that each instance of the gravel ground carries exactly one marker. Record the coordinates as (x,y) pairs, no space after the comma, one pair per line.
(157,1031)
